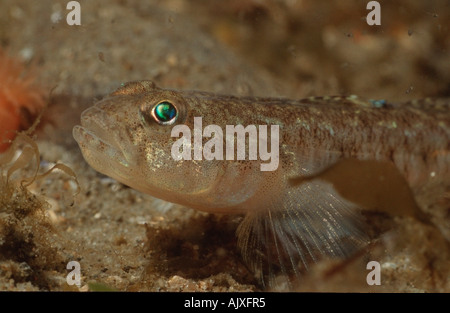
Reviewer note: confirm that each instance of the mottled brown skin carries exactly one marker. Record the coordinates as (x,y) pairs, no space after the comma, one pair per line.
(315,133)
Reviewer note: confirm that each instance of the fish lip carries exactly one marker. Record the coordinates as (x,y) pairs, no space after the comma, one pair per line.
(93,129)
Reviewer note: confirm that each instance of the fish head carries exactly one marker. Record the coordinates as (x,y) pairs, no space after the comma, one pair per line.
(129,136)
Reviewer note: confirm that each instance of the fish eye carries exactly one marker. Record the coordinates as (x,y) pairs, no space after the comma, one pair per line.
(164,113)
(162,108)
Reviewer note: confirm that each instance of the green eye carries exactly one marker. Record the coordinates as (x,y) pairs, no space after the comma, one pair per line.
(165,113)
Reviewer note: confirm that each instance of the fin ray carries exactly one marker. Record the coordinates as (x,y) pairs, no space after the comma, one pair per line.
(310,223)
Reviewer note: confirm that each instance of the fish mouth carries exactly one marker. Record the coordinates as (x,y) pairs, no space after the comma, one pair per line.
(97,139)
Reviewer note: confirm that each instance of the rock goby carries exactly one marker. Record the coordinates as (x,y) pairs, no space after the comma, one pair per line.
(286,226)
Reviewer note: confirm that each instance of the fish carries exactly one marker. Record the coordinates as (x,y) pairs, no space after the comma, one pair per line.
(294,214)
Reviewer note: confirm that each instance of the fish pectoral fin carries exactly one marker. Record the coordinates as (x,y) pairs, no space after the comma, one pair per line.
(310,223)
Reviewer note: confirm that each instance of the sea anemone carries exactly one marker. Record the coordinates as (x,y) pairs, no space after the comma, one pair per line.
(20,98)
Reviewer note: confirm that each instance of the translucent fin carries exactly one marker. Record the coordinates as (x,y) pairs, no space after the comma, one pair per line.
(311,222)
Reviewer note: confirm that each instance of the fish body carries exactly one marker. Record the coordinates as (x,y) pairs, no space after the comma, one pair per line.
(128,136)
